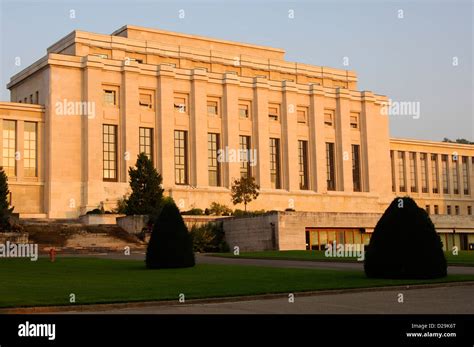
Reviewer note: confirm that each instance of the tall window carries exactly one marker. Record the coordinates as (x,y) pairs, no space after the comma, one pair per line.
(30,145)
(275,163)
(392,164)
(356,168)
(330,169)
(109,150)
(434,173)
(212,163)
(401,171)
(424,172)
(146,142)
(413,187)
(9,147)
(465,176)
(454,163)
(180,157)
(303,164)
(444,164)
(244,147)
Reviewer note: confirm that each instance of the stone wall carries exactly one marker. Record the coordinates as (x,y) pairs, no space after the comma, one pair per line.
(252,233)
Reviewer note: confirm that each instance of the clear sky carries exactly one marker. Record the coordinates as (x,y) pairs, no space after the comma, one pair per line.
(407,59)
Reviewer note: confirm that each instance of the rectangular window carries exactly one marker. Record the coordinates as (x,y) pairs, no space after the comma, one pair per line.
(354,120)
(302,114)
(413,172)
(181,103)
(469,210)
(180,157)
(436,209)
(401,171)
(303,164)
(146,100)
(30,145)
(444,165)
(448,209)
(424,172)
(245,108)
(110,97)
(456,209)
(146,142)
(275,163)
(454,163)
(330,169)
(9,147)
(356,168)
(329,118)
(434,173)
(244,148)
(427,208)
(465,176)
(274,112)
(392,164)
(109,150)
(212,163)
(213,107)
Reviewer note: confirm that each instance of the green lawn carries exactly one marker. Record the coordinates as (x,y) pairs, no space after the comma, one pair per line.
(26,283)
(465,258)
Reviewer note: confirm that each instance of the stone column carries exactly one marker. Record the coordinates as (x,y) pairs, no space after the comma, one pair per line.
(343,144)
(198,129)
(260,139)
(230,135)
(164,134)
(317,144)
(289,140)
(129,119)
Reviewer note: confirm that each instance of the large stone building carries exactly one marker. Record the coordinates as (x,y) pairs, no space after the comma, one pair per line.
(79,116)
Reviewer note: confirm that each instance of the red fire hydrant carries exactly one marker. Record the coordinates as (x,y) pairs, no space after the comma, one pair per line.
(52,254)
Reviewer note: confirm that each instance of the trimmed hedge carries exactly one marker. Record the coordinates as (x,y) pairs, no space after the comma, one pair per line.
(405,244)
(170,244)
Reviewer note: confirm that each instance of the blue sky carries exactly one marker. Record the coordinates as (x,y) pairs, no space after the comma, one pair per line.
(408,59)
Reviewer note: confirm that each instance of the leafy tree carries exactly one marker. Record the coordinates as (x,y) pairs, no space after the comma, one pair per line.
(170,244)
(244,190)
(145,183)
(5,210)
(405,244)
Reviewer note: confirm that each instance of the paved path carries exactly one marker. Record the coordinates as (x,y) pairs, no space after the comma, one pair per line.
(441,300)
(302,264)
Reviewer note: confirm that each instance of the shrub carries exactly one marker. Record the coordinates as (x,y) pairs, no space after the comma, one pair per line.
(241,213)
(405,244)
(95,211)
(193,212)
(209,238)
(121,207)
(219,209)
(170,244)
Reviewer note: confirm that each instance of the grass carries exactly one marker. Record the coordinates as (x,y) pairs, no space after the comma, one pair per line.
(465,258)
(41,283)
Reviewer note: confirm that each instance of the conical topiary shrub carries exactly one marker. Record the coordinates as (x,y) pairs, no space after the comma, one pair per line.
(405,244)
(170,244)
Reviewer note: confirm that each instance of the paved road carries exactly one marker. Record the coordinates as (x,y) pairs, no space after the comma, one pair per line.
(441,300)
(204,259)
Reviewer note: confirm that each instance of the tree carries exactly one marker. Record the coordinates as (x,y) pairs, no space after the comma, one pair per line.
(170,244)
(462,141)
(405,244)
(145,183)
(244,190)
(5,210)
